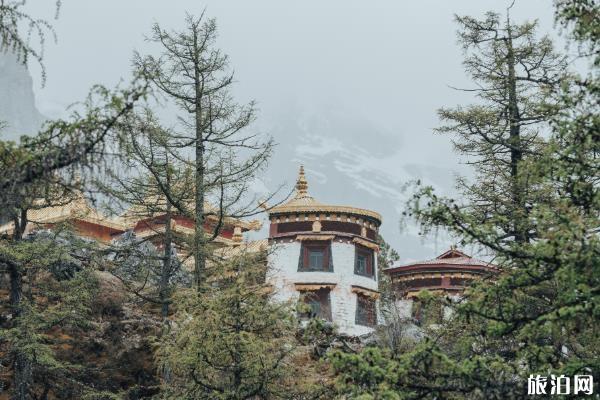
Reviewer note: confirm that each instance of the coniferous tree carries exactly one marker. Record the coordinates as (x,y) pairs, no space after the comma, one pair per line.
(514,74)
(17,40)
(232,342)
(52,291)
(194,75)
(150,267)
(540,315)
(36,172)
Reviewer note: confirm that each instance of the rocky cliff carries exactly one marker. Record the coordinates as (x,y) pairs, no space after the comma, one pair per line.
(17,101)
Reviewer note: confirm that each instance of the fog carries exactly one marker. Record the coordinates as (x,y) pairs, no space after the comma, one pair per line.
(348,88)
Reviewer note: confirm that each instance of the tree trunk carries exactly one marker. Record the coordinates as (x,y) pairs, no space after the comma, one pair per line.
(23,376)
(16,290)
(516,152)
(199,255)
(165,273)
(21,364)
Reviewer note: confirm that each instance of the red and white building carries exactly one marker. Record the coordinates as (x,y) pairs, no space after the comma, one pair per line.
(325,256)
(448,274)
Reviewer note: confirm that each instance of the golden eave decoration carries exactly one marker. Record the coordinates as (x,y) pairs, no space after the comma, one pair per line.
(155,206)
(366,243)
(302,238)
(75,209)
(313,287)
(365,292)
(304,203)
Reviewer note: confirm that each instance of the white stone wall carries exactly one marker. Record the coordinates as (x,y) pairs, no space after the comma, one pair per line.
(403,308)
(283,274)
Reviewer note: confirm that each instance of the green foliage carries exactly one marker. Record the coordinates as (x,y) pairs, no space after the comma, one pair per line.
(513,73)
(48,307)
(229,341)
(386,257)
(195,76)
(540,316)
(70,145)
(13,38)
(583,19)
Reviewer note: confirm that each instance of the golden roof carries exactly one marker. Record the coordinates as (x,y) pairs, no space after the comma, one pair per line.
(155,206)
(254,246)
(304,203)
(78,208)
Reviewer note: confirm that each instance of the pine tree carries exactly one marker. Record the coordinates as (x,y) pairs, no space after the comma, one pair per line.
(194,75)
(38,171)
(17,40)
(231,340)
(149,267)
(52,286)
(540,315)
(514,73)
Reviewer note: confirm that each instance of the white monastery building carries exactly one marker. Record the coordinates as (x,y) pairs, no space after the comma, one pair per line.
(325,256)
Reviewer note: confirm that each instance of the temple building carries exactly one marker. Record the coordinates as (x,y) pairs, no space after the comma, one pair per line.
(448,274)
(325,256)
(87,222)
(149,223)
(77,215)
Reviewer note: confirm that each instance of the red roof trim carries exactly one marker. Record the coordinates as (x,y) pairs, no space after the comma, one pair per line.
(450,259)
(440,267)
(452,253)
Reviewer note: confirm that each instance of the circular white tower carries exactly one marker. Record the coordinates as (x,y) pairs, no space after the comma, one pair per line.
(326,257)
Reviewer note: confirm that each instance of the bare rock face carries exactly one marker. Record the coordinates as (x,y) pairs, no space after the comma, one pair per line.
(17,101)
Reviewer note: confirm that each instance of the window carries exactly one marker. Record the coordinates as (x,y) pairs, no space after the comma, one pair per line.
(364,262)
(315,256)
(317,304)
(365,311)
(361,263)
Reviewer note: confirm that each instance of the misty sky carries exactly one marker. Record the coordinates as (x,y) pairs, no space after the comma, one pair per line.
(383,65)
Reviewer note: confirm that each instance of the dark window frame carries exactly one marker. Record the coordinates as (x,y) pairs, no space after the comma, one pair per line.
(366,311)
(322,297)
(369,256)
(304,262)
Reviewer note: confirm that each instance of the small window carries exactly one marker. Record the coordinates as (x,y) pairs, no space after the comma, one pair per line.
(315,256)
(361,264)
(364,262)
(319,304)
(365,311)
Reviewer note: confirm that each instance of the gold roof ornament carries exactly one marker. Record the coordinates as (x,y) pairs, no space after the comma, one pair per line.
(301,197)
(304,203)
(301,183)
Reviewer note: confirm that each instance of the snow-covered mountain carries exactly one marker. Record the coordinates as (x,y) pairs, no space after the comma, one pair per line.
(351,160)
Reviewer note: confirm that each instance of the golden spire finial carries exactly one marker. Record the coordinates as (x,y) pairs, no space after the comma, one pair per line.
(301,183)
